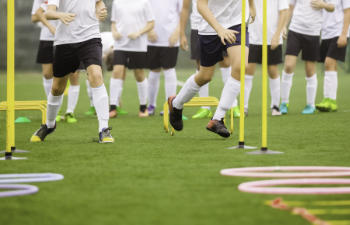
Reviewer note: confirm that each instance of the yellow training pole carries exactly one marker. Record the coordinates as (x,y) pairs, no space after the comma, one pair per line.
(264,81)
(243,51)
(10,120)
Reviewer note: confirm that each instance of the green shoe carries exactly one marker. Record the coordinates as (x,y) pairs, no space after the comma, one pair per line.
(334,106)
(70,118)
(236,112)
(325,105)
(121,111)
(184,117)
(308,110)
(202,113)
(91,111)
(59,118)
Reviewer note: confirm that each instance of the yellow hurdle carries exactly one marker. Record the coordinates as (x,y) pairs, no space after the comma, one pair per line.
(28,105)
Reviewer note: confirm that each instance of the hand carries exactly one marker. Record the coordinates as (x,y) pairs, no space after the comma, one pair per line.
(342,41)
(134,36)
(227,35)
(67,18)
(152,36)
(317,4)
(183,42)
(101,13)
(52,30)
(275,41)
(117,36)
(252,15)
(285,33)
(174,38)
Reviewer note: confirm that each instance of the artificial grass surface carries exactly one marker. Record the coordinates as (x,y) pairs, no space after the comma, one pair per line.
(148,177)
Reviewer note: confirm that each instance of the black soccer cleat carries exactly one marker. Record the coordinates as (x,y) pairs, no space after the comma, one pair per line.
(175,115)
(41,133)
(218,127)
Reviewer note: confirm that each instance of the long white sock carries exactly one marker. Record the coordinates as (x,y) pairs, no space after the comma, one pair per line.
(115,91)
(170,82)
(73,96)
(286,85)
(275,91)
(225,73)
(229,93)
(53,106)
(247,89)
(235,103)
(187,92)
(89,92)
(142,88)
(330,84)
(204,92)
(311,90)
(100,98)
(47,83)
(153,87)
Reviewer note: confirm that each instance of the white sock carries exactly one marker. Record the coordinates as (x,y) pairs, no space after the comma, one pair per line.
(311,89)
(47,86)
(73,96)
(153,87)
(225,73)
(235,103)
(142,88)
(53,106)
(247,89)
(330,84)
(286,85)
(204,92)
(229,93)
(89,92)
(170,82)
(115,91)
(187,92)
(100,98)
(275,91)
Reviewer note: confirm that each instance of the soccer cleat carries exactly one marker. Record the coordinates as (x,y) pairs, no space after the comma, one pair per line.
(275,111)
(41,133)
(70,118)
(202,113)
(175,115)
(105,136)
(151,110)
(284,108)
(91,111)
(308,110)
(334,106)
(325,105)
(113,111)
(236,112)
(121,111)
(218,127)
(143,114)
(184,117)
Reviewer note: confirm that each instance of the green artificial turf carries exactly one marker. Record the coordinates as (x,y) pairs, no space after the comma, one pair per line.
(148,177)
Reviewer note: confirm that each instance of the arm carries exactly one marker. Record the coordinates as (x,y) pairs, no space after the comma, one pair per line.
(343,38)
(39,16)
(224,34)
(282,18)
(52,14)
(288,19)
(115,33)
(174,38)
(149,26)
(185,12)
(320,4)
(252,11)
(101,11)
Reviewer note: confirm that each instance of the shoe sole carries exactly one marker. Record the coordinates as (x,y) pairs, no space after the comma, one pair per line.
(170,105)
(225,135)
(323,109)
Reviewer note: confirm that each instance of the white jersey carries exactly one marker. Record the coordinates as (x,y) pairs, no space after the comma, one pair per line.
(45,34)
(227,12)
(107,41)
(333,22)
(195,16)
(306,20)
(256,28)
(129,17)
(84,27)
(167,18)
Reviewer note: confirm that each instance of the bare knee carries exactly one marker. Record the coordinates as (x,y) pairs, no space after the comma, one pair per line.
(139,75)
(205,75)
(330,64)
(47,71)
(95,76)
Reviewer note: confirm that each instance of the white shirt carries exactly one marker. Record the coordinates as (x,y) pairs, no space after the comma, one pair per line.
(131,16)
(333,21)
(107,41)
(84,27)
(306,20)
(45,34)
(195,16)
(167,18)
(227,12)
(256,28)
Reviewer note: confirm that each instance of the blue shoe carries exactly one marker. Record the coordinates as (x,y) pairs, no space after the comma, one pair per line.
(308,110)
(284,108)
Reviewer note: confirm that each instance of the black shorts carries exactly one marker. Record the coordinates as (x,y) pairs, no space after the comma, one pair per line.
(131,60)
(195,48)
(309,45)
(69,56)
(162,57)
(274,57)
(45,52)
(212,49)
(329,48)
